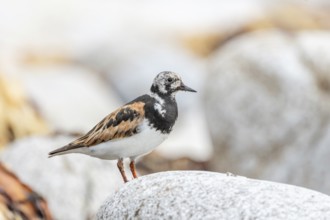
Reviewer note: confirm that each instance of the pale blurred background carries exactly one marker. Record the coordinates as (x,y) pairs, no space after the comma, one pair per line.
(261,69)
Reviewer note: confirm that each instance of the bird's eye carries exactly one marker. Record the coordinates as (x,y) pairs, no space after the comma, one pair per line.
(169,80)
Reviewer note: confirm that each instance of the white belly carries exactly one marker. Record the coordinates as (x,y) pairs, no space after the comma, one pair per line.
(133,146)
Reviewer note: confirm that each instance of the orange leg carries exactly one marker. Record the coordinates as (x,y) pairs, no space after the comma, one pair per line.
(132,166)
(121,168)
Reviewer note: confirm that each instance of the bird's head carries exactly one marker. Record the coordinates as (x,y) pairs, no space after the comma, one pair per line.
(168,84)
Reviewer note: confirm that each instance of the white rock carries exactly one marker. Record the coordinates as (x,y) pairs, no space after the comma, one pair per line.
(70,98)
(268,107)
(313,46)
(73,185)
(207,195)
(82,27)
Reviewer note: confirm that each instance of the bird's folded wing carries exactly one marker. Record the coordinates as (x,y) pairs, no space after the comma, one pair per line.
(123,122)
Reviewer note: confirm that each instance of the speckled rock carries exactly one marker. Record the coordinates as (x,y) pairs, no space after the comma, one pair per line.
(267,104)
(208,195)
(73,185)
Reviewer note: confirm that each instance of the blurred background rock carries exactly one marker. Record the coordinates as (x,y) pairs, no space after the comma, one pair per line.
(261,69)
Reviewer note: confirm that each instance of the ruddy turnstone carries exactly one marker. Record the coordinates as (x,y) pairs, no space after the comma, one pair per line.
(134,129)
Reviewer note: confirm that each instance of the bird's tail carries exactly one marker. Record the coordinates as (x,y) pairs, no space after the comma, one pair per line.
(59,151)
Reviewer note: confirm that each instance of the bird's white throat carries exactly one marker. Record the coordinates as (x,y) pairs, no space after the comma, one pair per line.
(159,104)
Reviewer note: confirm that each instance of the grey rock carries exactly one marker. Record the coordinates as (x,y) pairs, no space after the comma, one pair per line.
(73,185)
(267,104)
(208,195)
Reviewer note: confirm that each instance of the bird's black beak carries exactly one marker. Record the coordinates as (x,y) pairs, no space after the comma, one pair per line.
(183,87)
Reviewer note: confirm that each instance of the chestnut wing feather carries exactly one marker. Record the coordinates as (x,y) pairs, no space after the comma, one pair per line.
(123,122)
